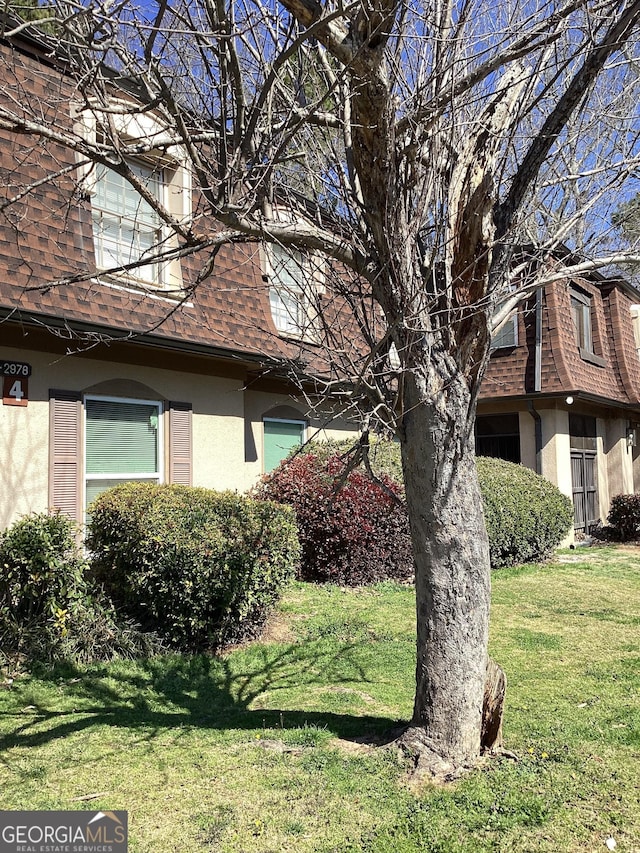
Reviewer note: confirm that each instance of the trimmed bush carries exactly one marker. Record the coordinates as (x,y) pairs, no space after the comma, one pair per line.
(383,455)
(624,517)
(48,609)
(526,515)
(42,570)
(355,535)
(199,567)
(42,583)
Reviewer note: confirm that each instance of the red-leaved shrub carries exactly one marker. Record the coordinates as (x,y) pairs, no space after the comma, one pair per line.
(353,535)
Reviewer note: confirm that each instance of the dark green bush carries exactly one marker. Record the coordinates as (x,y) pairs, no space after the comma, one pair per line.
(42,580)
(624,517)
(199,567)
(42,568)
(383,455)
(526,515)
(48,609)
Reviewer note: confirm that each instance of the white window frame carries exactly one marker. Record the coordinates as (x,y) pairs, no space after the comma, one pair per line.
(501,339)
(288,302)
(635,319)
(582,317)
(292,306)
(130,476)
(171,162)
(152,273)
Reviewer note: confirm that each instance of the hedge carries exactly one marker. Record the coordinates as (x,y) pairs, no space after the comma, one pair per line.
(624,518)
(49,609)
(526,515)
(42,578)
(199,567)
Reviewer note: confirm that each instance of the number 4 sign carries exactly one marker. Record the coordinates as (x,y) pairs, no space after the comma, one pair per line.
(15,391)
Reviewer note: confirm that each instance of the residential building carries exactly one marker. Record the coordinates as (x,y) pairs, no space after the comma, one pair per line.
(136,375)
(562,391)
(140,375)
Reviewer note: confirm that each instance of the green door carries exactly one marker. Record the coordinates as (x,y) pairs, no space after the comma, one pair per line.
(280,437)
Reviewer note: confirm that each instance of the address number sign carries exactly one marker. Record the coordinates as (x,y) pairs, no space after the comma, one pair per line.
(15,382)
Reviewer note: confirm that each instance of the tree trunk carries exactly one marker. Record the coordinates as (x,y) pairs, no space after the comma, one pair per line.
(452,567)
(492,707)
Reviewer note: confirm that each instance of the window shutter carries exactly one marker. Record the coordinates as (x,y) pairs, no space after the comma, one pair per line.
(65,447)
(180,443)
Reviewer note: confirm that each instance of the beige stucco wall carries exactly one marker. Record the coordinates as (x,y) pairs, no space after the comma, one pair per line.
(556,454)
(218,418)
(227,423)
(24,454)
(619,458)
(602,469)
(636,463)
(527,427)
(323,424)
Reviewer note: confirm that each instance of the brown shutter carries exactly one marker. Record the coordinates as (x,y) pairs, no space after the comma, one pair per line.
(65,453)
(180,465)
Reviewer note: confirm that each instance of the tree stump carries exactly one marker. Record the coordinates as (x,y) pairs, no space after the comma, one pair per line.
(495,687)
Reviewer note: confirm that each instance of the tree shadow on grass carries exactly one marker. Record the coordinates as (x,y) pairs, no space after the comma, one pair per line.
(180,692)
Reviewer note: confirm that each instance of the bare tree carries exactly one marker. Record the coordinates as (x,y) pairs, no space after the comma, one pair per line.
(418,147)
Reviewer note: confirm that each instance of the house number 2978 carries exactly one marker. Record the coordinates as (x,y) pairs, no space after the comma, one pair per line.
(15,368)
(15,382)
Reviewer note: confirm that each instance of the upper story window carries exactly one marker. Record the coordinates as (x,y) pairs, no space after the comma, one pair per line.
(585,327)
(635,319)
(507,334)
(130,237)
(294,285)
(582,320)
(126,228)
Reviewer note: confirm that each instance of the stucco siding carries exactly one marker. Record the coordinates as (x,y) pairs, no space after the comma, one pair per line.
(227,422)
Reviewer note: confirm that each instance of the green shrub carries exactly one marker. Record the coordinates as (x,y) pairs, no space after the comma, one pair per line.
(383,455)
(48,608)
(624,517)
(199,567)
(42,570)
(526,515)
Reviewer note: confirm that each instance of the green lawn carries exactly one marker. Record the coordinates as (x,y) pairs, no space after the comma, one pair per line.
(258,750)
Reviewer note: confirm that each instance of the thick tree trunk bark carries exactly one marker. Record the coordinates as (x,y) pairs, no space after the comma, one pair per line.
(452,568)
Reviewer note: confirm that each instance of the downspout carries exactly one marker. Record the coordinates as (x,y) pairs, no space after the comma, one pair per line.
(537,381)
(537,364)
